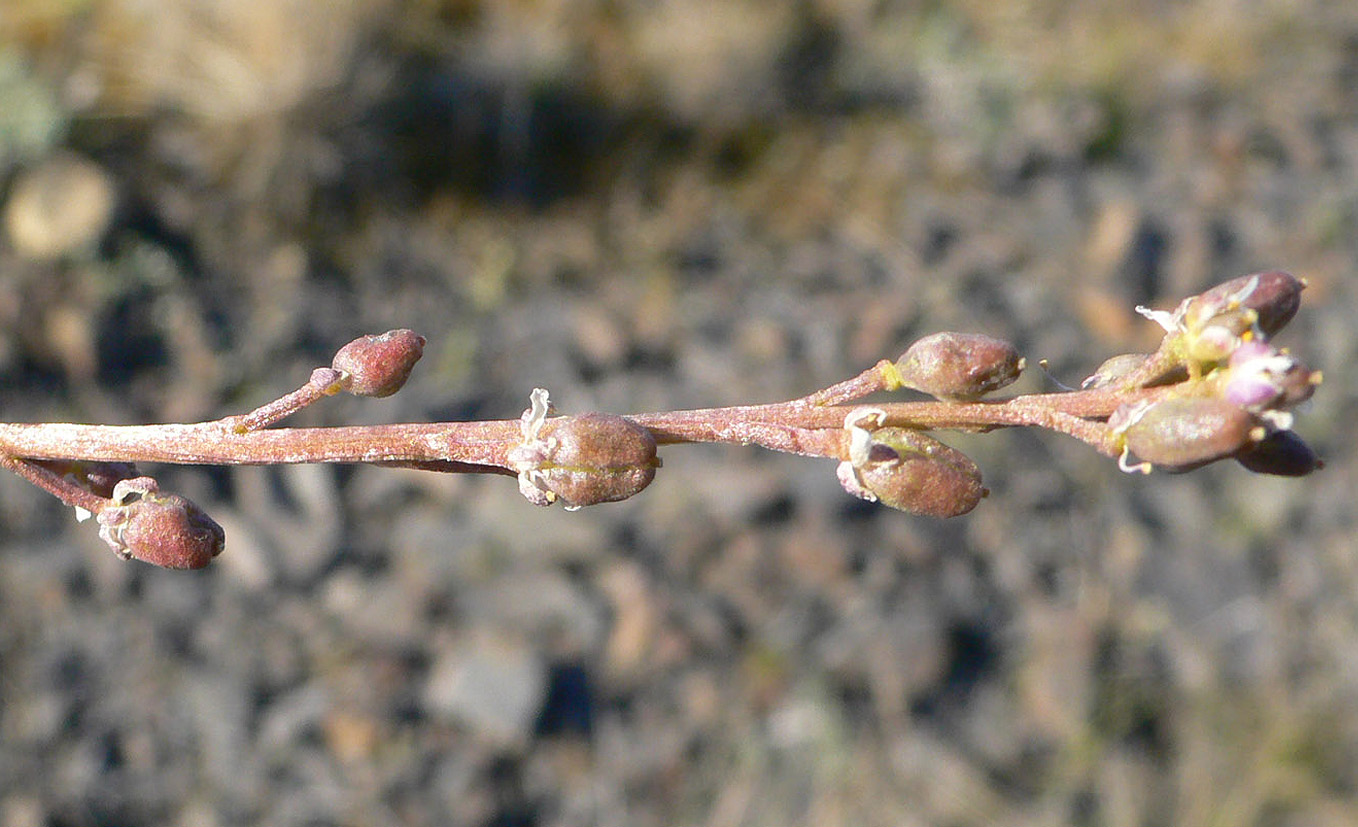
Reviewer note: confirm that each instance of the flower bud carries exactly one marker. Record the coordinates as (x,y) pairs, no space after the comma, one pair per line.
(959,365)
(1273,297)
(1113,369)
(164,530)
(585,460)
(1184,433)
(1262,377)
(1281,453)
(907,470)
(378,366)
(1219,339)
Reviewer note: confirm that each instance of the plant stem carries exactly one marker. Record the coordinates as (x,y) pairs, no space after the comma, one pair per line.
(54,484)
(798,426)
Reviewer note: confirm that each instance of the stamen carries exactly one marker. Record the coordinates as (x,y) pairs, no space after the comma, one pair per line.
(1139,468)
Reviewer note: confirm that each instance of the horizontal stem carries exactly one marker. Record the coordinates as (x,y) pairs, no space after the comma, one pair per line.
(797,427)
(476,443)
(1075,414)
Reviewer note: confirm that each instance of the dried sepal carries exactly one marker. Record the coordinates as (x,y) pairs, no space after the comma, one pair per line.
(378,365)
(907,470)
(167,530)
(959,365)
(1179,434)
(581,460)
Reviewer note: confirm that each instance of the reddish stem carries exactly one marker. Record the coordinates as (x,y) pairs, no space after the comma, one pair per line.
(798,427)
(55,484)
(323,382)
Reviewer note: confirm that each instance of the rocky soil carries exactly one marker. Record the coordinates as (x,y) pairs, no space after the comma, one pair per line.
(655,204)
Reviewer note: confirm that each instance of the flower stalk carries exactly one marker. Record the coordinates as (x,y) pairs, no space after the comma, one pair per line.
(1216,388)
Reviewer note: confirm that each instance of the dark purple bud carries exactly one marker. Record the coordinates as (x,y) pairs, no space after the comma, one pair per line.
(959,365)
(1281,453)
(907,470)
(585,460)
(378,365)
(1178,434)
(164,530)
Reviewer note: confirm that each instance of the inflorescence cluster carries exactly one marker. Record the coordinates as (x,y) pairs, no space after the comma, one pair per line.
(1216,388)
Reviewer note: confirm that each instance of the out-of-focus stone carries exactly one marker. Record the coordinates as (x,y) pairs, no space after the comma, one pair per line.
(59,207)
(494,687)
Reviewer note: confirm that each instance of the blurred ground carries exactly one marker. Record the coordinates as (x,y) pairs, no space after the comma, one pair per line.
(646,204)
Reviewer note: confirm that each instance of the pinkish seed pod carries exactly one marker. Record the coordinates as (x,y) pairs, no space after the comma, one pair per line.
(1281,453)
(959,365)
(378,365)
(1179,434)
(586,460)
(907,470)
(164,530)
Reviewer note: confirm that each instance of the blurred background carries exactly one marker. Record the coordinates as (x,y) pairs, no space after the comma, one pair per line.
(649,204)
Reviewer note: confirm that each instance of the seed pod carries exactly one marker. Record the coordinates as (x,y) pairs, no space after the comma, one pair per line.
(164,530)
(585,460)
(912,472)
(378,365)
(1179,434)
(959,365)
(1281,453)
